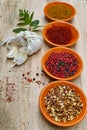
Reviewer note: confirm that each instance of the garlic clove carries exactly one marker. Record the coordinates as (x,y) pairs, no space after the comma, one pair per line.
(20,58)
(13,52)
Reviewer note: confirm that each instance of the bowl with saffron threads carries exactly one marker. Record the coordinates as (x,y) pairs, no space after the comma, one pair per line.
(59,11)
(62,63)
(63,103)
(59,33)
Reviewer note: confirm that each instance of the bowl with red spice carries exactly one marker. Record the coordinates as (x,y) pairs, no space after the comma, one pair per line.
(59,33)
(59,11)
(62,63)
(63,103)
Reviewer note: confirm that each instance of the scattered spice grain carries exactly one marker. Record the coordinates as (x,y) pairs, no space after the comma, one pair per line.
(28,73)
(29,79)
(37,74)
(38,82)
(33,79)
(8,89)
(23,74)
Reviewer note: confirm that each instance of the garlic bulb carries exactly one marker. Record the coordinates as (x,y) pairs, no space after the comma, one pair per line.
(23,44)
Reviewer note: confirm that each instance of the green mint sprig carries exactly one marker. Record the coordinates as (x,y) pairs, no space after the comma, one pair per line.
(26,18)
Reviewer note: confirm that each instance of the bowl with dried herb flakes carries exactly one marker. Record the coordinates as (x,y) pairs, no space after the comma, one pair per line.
(59,11)
(63,103)
(59,33)
(62,63)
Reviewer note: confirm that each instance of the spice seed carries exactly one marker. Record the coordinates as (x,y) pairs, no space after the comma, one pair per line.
(63,103)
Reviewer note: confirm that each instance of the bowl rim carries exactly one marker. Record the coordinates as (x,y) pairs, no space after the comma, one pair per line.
(46,115)
(59,2)
(75,32)
(59,49)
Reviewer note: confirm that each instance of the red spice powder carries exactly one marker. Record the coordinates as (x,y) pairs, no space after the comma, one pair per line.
(60,35)
(62,64)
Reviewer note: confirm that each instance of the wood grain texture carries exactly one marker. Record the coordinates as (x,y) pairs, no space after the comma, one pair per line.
(23,113)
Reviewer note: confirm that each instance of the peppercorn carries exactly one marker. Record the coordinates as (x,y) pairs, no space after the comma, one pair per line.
(37,74)
(33,79)
(62,64)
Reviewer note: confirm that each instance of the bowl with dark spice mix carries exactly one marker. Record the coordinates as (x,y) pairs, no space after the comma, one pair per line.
(62,63)
(59,33)
(59,11)
(63,103)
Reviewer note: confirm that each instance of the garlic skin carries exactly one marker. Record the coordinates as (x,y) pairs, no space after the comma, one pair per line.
(20,40)
(13,52)
(33,45)
(34,42)
(23,44)
(8,41)
(26,40)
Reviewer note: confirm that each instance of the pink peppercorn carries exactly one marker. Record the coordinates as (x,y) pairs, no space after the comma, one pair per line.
(29,80)
(62,64)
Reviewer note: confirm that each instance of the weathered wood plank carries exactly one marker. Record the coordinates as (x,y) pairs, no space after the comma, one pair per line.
(23,113)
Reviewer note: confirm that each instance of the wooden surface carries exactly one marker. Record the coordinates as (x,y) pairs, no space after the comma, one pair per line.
(23,113)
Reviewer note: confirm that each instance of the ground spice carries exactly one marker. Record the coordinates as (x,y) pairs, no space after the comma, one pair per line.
(62,64)
(60,11)
(60,35)
(8,89)
(63,103)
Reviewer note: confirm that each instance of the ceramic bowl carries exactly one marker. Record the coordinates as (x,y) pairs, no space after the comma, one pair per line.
(63,12)
(60,36)
(58,50)
(44,112)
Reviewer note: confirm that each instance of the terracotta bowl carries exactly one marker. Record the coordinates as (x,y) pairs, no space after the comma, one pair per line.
(44,112)
(60,24)
(58,50)
(64,11)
